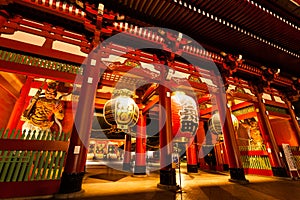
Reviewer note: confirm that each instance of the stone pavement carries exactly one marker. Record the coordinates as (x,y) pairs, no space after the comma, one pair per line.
(108,184)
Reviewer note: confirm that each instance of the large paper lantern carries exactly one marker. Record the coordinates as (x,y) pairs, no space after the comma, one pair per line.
(121,110)
(214,124)
(185,117)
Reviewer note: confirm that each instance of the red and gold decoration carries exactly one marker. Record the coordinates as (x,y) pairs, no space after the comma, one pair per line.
(185,116)
(121,110)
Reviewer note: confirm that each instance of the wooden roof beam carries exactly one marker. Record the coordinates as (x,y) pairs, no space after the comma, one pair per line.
(151,104)
(38,72)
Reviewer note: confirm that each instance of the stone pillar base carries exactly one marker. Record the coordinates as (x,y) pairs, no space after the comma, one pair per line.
(279,171)
(168,187)
(192,168)
(71,183)
(140,170)
(238,175)
(168,180)
(139,175)
(127,167)
(168,177)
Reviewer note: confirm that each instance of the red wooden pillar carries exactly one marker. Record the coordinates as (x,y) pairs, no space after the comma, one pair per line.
(225,156)
(127,154)
(276,161)
(200,134)
(140,150)
(235,163)
(293,118)
(19,105)
(269,146)
(167,173)
(218,157)
(191,156)
(74,169)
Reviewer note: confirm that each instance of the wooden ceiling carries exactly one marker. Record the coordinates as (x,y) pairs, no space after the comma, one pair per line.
(263,33)
(266,33)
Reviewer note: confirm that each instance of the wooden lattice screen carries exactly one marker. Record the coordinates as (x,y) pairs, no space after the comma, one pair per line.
(31,164)
(255,160)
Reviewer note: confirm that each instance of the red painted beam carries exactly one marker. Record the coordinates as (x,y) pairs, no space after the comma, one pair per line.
(149,92)
(151,104)
(38,72)
(243,96)
(254,153)
(276,104)
(103,95)
(241,105)
(33,145)
(246,116)
(281,115)
(37,50)
(99,106)
(204,99)
(205,111)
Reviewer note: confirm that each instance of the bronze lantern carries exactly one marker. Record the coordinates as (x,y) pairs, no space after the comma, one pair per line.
(121,111)
(214,124)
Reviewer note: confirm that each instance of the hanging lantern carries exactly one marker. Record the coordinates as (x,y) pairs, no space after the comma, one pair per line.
(214,124)
(121,110)
(185,116)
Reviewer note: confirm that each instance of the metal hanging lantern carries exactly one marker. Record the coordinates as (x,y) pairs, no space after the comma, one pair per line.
(121,110)
(185,117)
(214,124)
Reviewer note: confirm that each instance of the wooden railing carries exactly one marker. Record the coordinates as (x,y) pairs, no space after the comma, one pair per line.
(32,162)
(255,160)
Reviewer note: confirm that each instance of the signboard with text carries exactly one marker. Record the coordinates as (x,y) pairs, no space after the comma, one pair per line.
(289,157)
